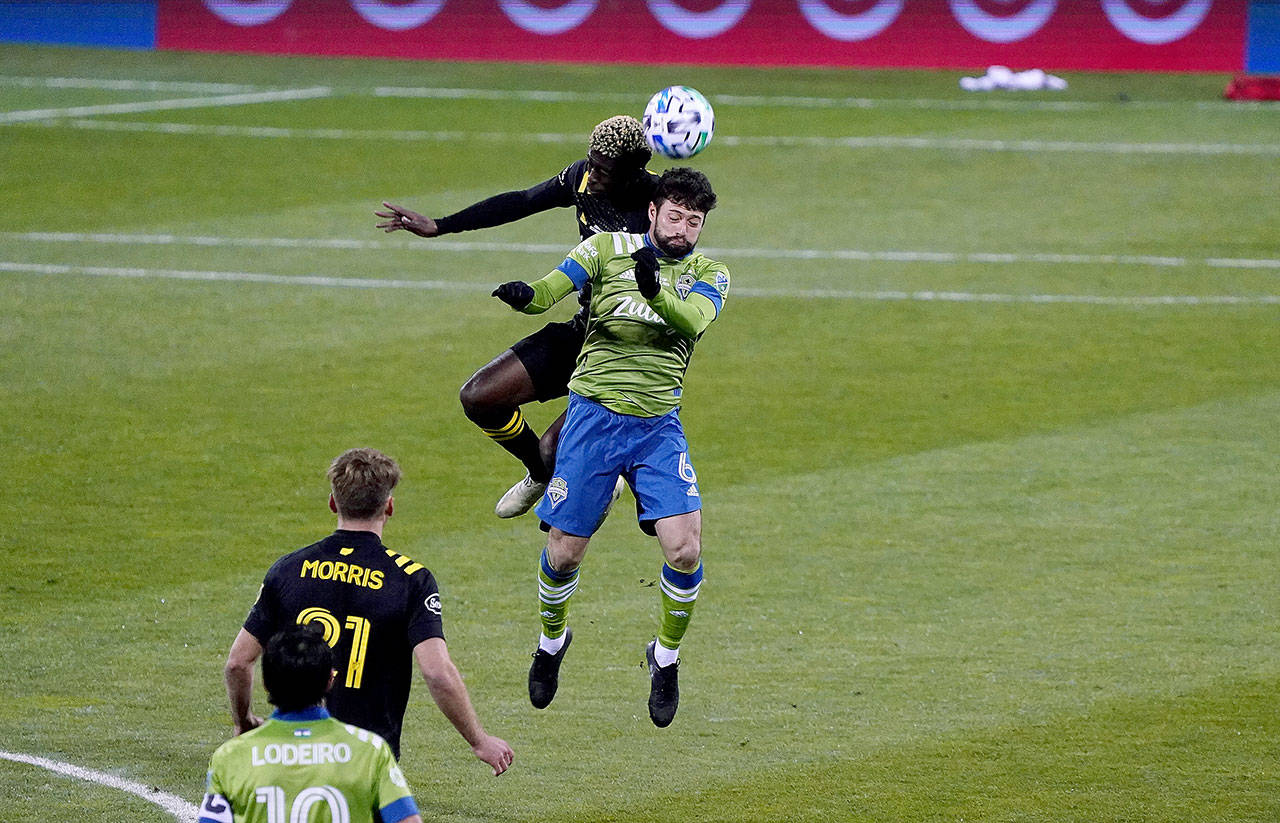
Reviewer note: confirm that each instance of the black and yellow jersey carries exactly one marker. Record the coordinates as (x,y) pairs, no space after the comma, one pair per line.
(373,605)
(625,210)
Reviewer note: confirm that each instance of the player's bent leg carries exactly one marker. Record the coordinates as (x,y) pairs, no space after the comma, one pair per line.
(491,399)
(557,581)
(680,537)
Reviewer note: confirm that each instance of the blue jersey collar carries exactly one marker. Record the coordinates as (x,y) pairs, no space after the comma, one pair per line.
(304,716)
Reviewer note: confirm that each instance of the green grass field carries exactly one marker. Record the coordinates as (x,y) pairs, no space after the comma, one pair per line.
(987,435)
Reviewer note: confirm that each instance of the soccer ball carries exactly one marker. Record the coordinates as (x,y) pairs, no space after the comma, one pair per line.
(678,122)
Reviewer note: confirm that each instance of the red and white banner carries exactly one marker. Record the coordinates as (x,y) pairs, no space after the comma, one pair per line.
(1117,35)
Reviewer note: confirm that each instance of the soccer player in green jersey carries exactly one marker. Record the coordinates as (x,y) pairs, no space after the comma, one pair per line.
(652,298)
(301,762)
(609,190)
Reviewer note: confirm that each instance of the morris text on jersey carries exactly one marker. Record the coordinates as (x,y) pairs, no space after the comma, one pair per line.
(341,572)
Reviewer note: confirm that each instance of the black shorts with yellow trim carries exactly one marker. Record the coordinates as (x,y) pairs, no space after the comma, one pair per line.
(549,355)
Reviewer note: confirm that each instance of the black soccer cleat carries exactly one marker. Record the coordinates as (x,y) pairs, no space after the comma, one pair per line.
(544,674)
(664,689)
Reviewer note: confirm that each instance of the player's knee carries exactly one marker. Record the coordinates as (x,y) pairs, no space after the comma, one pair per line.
(684,555)
(565,551)
(477,403)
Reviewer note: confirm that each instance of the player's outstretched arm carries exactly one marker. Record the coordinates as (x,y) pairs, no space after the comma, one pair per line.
(398,218)
(517,294)
(538,296)
(238,675)
(450,694)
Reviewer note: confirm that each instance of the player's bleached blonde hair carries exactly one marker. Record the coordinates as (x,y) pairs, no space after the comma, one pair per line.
(621,136)
(362,480)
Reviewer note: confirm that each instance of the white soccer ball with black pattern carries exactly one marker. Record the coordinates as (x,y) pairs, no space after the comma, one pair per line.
(678,122)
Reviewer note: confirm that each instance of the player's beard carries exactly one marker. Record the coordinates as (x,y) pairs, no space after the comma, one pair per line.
(670,246)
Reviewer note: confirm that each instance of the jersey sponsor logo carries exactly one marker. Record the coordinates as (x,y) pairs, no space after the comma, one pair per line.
(557,491)
(628,306)
(433,604)
(340,572)
(300,754)
(684,284)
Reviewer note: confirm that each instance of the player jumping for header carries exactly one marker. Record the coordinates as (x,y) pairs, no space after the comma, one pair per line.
(610,191)
(652,298)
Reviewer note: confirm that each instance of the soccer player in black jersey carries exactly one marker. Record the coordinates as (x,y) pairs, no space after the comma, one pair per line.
(378,610)
(610,191)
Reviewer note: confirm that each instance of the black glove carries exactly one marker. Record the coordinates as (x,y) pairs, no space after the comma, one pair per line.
(515,294)
(646,272)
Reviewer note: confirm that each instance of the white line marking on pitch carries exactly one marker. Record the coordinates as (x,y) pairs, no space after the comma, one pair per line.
(857,255)
(968,103)
(171,803)
(166,105)
(113,84)
(450,285)
(784,141)
(240,277)
(798,101)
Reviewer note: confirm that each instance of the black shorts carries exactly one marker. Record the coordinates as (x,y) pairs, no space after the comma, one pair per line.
(549,355)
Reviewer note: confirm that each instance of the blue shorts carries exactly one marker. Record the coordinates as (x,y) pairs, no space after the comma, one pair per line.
(597,446)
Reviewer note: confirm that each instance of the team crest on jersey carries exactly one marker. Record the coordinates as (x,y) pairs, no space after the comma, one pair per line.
(557,491)
(722,283)
(684,284)
(433,604)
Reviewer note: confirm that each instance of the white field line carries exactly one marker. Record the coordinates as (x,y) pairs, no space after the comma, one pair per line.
(1025,146)
(448,285)
(111,84)
(797,101)
(777,141)
(283,242)
(166,105)
(171,803)
(439,244)
(996,101)
(238,277)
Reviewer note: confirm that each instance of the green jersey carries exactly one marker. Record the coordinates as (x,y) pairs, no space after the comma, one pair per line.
(306,767)
(637,350)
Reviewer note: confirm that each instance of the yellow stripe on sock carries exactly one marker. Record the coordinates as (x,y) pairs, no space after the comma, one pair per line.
(512,429)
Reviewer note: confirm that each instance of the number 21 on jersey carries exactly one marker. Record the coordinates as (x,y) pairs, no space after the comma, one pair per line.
(332,628)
